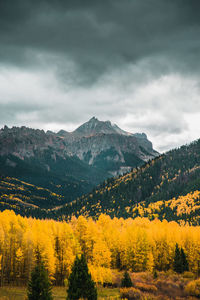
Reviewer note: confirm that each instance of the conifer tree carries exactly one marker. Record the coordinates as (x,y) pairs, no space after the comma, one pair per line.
(81,284)
(185,266)
(39,287)
(177,260)
(180,260)
(126,280)
(155,274)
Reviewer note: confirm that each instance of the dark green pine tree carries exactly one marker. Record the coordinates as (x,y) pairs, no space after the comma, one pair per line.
(180,261)
(185,266)
(126,280)
(177,260)
(155,274)
(80,282)
(39,287)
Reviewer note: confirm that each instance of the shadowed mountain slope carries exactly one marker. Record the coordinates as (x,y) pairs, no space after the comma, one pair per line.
(170,175)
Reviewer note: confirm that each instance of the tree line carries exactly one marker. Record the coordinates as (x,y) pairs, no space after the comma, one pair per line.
(107,244)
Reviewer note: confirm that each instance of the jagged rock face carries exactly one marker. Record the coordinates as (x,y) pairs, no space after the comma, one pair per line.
(42,159)
(107,146)
(24,142)
(96,143)
(94,127)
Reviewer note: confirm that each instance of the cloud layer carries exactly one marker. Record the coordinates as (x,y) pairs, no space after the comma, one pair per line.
(136,63)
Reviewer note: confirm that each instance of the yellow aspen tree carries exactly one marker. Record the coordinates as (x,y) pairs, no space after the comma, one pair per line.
(101,255)
(84,238)
(19,264)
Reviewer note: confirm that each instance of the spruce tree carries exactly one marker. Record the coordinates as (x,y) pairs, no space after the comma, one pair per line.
(39,287)
(126,280)
(177,260)
(80,282)
(155,274)
(185,266)
(180,260)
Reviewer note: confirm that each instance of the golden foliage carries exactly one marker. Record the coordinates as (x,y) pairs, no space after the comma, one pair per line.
(183,205)
(130,293)
(133,244)
(101,274)
(193,288)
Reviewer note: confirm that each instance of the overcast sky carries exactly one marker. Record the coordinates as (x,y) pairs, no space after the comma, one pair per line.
(133,62)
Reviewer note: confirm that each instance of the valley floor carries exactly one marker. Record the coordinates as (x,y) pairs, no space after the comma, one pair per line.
(59,293)
(167,286)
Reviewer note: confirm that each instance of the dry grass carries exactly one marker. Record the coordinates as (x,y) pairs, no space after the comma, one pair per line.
(12,293)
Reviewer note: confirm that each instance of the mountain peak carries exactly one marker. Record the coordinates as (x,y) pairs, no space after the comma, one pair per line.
(93,119)
(94,127)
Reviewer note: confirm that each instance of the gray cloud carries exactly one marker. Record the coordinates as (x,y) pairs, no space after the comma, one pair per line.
(134,62)
(99,36)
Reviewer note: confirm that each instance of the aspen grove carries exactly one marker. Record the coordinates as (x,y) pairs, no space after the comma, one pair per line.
(108,245)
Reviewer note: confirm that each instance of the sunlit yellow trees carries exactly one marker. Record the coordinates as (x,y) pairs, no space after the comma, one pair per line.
(131,244)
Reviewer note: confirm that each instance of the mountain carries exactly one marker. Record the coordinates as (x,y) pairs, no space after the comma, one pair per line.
(42,160)
(70,164)
(104,145)
(160,188)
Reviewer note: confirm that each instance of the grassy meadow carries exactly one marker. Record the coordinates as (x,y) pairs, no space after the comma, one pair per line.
(59,293)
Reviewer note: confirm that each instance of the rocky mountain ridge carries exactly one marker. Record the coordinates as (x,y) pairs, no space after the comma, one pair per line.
(103,143)
(96,143)
(67,164)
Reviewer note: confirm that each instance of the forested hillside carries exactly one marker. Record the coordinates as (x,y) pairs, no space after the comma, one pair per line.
(168,176)
(67,176)
(26,199)
(184,209)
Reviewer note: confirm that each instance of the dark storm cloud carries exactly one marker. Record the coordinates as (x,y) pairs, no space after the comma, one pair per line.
(100,35)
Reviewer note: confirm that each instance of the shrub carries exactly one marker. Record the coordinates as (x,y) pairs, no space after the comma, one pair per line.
(146,287)
(116,278)
(188,275)
(168,287)
(66,282)
(151,297)
(193,288)
(131,293)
